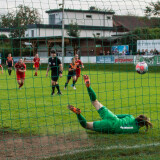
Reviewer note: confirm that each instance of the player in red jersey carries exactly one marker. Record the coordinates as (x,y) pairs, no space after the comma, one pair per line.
(79,66)
(2,68)
(20,68)
(36,62)
(9,63)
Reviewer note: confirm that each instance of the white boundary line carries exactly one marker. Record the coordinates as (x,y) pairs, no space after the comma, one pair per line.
(107,148)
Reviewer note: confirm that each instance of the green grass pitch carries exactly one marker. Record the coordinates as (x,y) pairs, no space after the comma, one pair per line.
(33,110)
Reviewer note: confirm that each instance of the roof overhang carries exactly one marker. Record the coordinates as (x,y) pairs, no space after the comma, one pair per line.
(81,27)
(81,11)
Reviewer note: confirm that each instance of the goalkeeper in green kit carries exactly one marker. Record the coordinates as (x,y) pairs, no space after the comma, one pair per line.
(110,122)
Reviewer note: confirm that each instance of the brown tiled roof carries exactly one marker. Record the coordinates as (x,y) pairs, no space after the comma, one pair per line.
(133,22)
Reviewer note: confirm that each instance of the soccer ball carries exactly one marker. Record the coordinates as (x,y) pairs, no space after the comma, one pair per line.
(142,67)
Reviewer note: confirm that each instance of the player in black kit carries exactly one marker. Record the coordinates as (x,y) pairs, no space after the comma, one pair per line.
(56,71)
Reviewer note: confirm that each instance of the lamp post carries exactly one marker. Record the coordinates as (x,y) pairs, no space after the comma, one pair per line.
(63,32)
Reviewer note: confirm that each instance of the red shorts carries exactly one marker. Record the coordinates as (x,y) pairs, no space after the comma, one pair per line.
(36,65)
(20,76)
(78,73)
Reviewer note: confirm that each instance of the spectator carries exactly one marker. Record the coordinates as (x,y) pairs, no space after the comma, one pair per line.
(101,53)
(155,52)
(143,52)
(108,53)
(127,52)
(146,52)
(151,52)
(115,51)
(123,53)
(139,52)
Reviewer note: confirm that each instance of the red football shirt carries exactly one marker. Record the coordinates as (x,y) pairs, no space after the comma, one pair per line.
(20,66)
(36,60)
(79,62)
(0,65)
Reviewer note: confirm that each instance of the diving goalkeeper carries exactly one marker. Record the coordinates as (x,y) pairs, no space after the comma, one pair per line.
(110,122)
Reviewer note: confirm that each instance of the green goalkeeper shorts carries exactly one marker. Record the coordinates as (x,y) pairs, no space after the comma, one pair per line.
(107,123)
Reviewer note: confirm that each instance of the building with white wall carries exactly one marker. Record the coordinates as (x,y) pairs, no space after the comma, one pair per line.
(81,17)
(98,31)
(41,30)
(91,23)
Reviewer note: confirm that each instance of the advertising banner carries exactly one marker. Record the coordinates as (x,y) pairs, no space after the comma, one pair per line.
(129,59)
(150,60)
(27,59)
(84,59)
(88,59)
(16,59)
(148,44)
(157,59)
(105,59)
(120,50)
(44,59)
(124,59)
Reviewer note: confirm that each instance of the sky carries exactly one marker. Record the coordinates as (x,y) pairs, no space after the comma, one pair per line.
(121,7)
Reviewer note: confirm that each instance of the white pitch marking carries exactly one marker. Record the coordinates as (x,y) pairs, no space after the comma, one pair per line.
(108,148)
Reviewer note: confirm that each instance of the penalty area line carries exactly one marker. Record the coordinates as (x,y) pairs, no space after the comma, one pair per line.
(107,148)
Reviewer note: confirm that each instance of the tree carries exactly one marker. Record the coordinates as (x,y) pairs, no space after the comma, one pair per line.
(3,38)
(153,9)
(93,8)
(146,33)
(73,30)
(18,20)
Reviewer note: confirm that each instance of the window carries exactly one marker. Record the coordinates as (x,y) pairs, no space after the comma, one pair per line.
(52,19)
(88,16)
(108,17)
(32,33)
(98,34)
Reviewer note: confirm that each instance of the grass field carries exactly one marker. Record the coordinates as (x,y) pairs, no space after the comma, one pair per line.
(33,111)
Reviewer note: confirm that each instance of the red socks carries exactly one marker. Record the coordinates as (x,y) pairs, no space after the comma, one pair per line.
(35,74)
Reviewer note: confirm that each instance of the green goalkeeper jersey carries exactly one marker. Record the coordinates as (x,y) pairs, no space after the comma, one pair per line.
(126,124)
(112,123)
